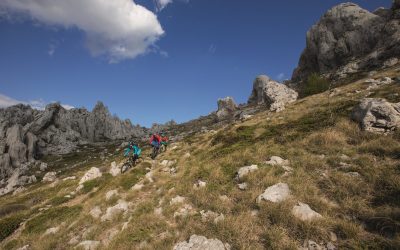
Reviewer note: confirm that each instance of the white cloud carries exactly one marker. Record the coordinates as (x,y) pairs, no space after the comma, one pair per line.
(40,104)
(280,77)
(118,29)
(6,101)
(161,4)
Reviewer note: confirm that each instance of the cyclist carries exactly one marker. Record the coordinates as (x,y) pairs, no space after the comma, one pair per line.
(155,140)
(164,140)
(134,148)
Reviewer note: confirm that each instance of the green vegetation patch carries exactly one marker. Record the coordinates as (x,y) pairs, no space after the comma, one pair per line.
(9,224)
(131,178)
(315,84)
(58,200)
(51,217)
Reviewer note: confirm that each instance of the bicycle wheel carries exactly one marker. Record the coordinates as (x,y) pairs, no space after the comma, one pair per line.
(124,168)
(154,153)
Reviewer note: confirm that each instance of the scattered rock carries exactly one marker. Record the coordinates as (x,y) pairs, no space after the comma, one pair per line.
(69,178)
(277,161)
(330,246)
(187,155)
(95,212)
(377,115)
(26,247)
(149,176)
(89,244)
(43,166)
(114,169)
(167,163)
(137,186)
(49,177)
(224,198)
(121,207)
(210,215)
(242,186)
(158,211)
(177,199)
(353,174)
(199,184)
(110,194)
(276,193)
(92,174)
(333,236)
(184,211)
(201,243)
(52,230)
(243,171)
(303,212)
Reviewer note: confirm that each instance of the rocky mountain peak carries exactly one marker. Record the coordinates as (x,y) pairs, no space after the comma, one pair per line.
(349,39)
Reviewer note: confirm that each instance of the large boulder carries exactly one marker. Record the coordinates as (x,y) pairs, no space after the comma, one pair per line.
(348,39)
(197,242)
(377,115)
(226,108)
(271,93)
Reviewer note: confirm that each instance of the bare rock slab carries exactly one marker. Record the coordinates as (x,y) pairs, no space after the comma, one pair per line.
(276,193)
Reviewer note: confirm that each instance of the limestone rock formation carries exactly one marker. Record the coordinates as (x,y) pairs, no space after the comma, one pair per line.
(26,133)
(226,108)
(377,115)
(348,39)
(303,212)
(271,93)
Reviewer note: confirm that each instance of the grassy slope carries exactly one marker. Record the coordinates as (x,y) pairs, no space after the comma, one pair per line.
(364,212)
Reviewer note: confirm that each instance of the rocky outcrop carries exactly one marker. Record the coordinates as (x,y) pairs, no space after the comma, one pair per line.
(26,133)
(271,93)
(226,108)
(377,115)
(348,39)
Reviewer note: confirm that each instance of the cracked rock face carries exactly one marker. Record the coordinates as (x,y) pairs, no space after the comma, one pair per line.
(377,115)
(26,133)
(226,108)
(349,38)
(276,193)
(271,93)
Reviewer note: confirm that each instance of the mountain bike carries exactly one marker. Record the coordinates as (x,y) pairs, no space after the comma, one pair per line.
(130,163)
(155,152)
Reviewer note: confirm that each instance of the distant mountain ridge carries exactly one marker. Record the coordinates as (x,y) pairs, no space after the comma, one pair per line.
(26,133)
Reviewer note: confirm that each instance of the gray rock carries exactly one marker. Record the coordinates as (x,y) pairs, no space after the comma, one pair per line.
(271,93)
(226,108)
(243,171)
(276,193)
(49,177)
(242,186)
(16,147)
(303,212)
(89,244)
(27,134)
(201,243)
(377,115)
(349,39)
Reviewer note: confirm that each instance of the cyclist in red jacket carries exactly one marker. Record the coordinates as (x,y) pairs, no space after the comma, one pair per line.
(155,140)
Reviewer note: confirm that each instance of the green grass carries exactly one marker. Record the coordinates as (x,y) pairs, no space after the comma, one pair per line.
(9,224)
(51,217)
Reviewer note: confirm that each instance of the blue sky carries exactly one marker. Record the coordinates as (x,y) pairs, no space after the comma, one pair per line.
(205,50)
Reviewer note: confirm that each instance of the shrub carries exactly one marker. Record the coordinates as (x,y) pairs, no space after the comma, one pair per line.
(315,84)
(9,225)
